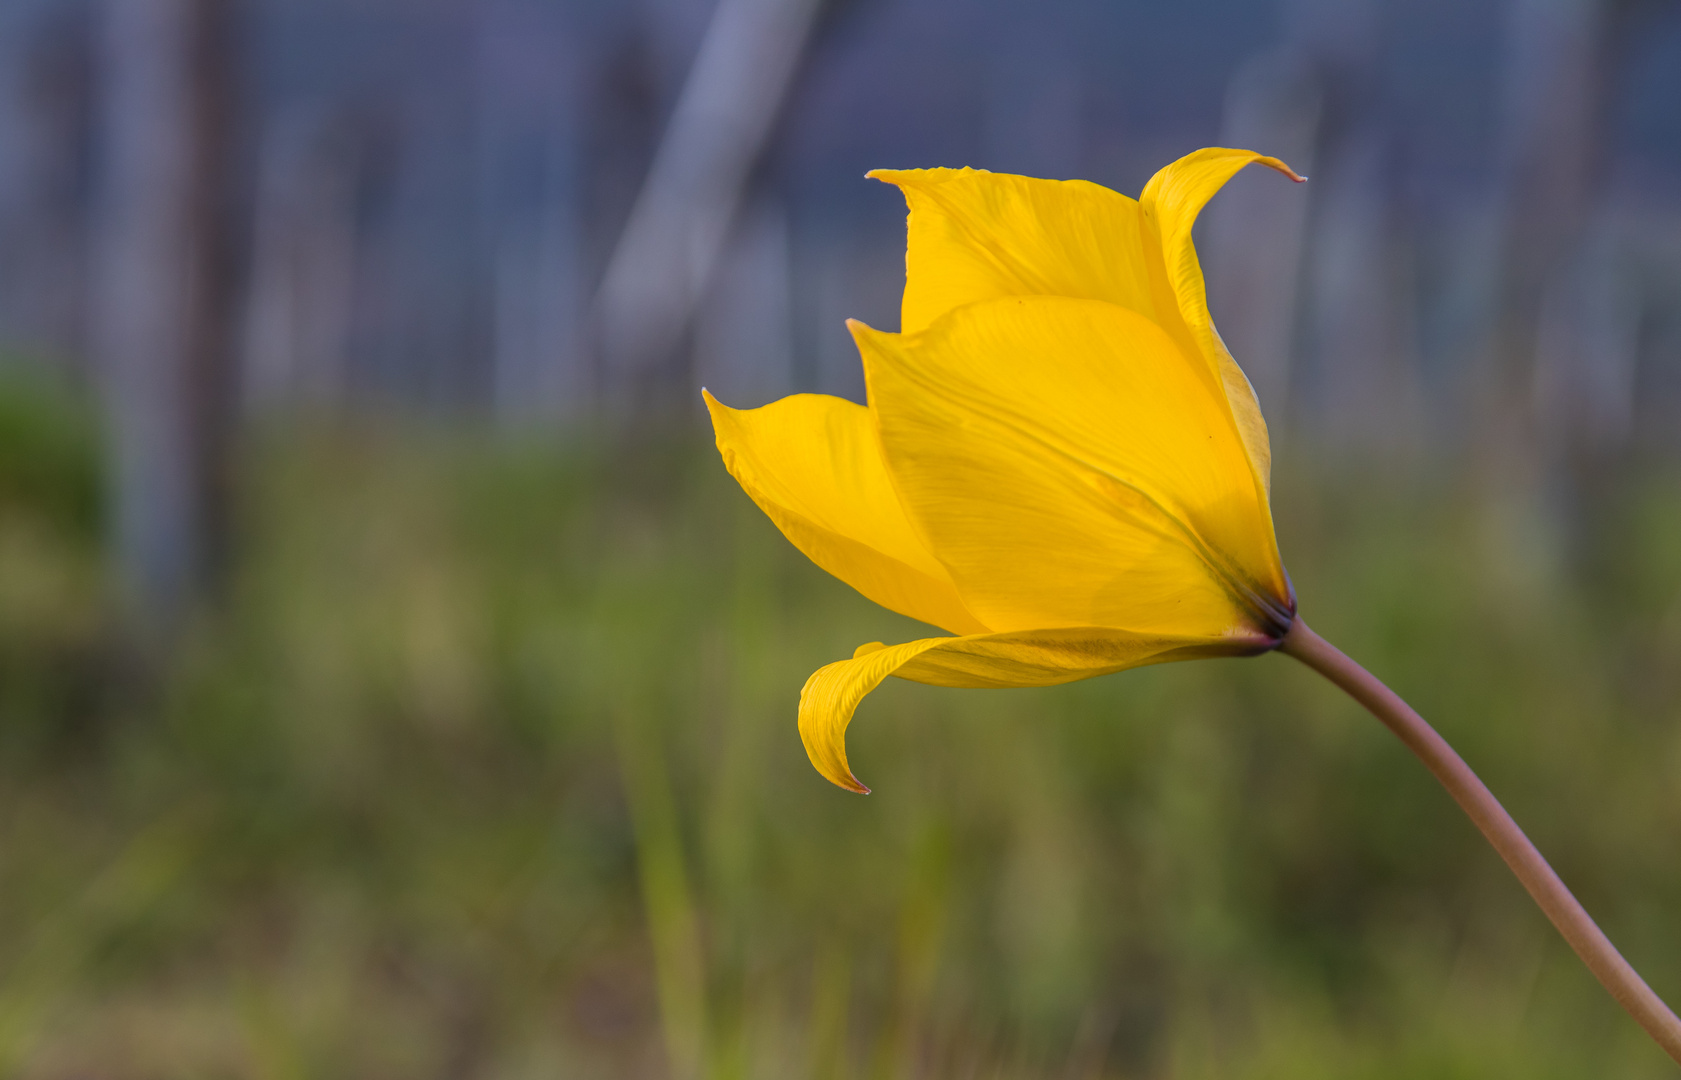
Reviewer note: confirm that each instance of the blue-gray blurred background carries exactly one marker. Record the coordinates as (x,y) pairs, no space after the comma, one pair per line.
(393,684)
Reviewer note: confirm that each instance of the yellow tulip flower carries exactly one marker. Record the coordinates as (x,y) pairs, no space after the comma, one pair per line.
(1061,465)
(1060,462)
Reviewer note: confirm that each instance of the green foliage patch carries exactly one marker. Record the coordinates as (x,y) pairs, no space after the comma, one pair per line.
(486,766)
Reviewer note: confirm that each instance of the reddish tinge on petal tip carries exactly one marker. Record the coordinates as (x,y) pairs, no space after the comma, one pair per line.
(1274,163)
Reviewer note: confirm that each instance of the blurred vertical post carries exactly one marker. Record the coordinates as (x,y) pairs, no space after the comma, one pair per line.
(164,296)
(1312,287)
(1555,100)
(1357,311)
(1258,227)
(677,228)
(44,90)
(528,178)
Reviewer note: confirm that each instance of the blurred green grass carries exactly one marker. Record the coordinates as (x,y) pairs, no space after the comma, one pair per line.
(487,767)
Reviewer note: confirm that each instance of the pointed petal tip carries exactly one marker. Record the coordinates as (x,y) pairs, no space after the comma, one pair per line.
(715,408)
(839,773)
(1280,166)
(907,179)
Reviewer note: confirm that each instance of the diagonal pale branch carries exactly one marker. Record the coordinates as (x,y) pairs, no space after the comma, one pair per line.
(1550,893)
(682,215)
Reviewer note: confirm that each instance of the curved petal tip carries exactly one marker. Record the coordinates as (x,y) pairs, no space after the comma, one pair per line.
(1275,163)
(832,694)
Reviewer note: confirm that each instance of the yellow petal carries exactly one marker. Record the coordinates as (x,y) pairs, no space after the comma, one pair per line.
(1071,466)
(832,694)
(813,464)
(976,235)
(1170,203)
(1031,658)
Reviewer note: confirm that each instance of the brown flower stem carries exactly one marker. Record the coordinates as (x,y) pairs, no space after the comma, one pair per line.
(1566,913)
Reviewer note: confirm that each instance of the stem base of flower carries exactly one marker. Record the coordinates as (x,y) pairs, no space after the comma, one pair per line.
(1473,796)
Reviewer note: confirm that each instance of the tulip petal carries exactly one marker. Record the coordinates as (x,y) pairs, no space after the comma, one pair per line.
(813,464)
(975,235)
(1070,465)
(992,661)
(1170,203)
(832,694)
